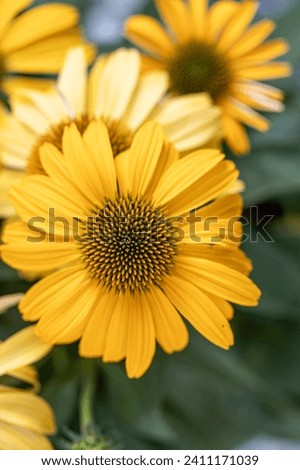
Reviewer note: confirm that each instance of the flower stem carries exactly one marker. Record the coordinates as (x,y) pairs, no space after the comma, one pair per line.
(87,398)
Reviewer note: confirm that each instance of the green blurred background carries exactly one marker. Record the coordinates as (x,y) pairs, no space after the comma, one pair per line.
(203,397)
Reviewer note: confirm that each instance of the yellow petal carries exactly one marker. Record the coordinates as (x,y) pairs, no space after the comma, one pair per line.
(149,91)
(214,230)
(21,349)
(148,34)
(24,409)
(8,179)
(93,340)
(54,165)
(243,113)
(176,16)
(16,85)
(199,310)
(143,156)
(121,165)
(214,183)
(268,51)
(39,256)
(224,207)
(184,173)
(219,280)
(39,23)
(95,77)
(265,71)
(115,348)
(252,38)
(149,64)
(219,16)
(9,9)
(198,10)
(232,258)
(238,23)
(47,55)
(96,139)
(189,121)
(117,83)
(80,161)
(65,315)
(16,438)
(141,337)
(40,298)
(34,199)
(225,307)
(168,157)
(74,91)
(31,116)
(235,135)
(27,374)
(259,95)
(171,332)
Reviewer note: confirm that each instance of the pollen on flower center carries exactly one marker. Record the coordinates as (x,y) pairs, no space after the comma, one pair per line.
(128,244)
(119,133)
(198,67)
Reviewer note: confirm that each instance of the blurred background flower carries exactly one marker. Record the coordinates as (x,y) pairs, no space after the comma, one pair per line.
(203,397)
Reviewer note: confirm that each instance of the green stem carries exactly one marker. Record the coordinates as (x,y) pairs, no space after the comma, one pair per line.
(87,398)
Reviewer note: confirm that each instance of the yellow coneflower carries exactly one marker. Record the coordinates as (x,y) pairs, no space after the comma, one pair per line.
(25,418)
(215,50)
(127,264)
(35,41)
(115,92)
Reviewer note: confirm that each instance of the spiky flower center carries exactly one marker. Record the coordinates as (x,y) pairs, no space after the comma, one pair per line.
(119,133)
(129,244)
(199,67)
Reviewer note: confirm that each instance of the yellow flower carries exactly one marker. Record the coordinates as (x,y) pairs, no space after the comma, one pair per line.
(215,50)
(113,91)
(25,418)
(124,250)
(35,41)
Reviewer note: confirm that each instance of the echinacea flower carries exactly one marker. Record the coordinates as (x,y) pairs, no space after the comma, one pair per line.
(215,50)
(118,235)
(25,418)
(113,91)
(35,41)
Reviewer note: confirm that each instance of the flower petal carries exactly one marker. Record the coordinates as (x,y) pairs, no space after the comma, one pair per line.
(64,316)
(219,280)
(176,16)
(144,155)
(26,410)
(149,91)
(170,330)
(184,173)
(117,81)
(74,90)
(141,337)
(199,310)
(9,9)
(38,23)
(115,348)
(21,349)
(93,340)
(148,34)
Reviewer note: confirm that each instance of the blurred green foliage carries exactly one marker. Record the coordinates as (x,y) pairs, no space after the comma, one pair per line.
(205,397)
